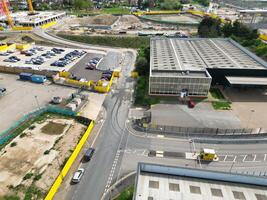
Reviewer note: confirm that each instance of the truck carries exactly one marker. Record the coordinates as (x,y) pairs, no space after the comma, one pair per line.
(208,155)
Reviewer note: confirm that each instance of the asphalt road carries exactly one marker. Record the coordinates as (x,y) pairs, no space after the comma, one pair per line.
(119,149)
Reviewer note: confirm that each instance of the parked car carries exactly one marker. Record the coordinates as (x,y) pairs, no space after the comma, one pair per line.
(14,58)
(2,91)
(56,100)
(4,53)
(77,176)
(88,154)
(90,67)
(191,104)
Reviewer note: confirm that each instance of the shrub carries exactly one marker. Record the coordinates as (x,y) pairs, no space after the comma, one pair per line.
(28,176)
(13,144)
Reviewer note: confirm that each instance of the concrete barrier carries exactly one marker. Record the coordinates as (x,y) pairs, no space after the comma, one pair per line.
(69,163)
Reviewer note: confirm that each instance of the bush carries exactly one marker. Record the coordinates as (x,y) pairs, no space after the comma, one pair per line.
(209,28)
(46,152)
(28,176)
(37,177)
(13,144)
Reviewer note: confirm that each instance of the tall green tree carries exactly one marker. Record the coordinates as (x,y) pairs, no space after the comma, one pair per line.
(83,4)
(209,28)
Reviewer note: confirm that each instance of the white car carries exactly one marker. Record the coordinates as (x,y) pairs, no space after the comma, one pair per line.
(77,175)
(56,100)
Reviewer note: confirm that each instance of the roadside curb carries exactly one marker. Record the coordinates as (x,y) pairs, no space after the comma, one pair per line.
(69,163)
(112,188)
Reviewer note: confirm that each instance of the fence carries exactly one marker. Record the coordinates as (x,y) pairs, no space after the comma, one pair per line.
(194,131)
(10,132)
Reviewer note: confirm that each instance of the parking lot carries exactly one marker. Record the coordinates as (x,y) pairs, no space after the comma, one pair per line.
(23,97)
(42,57)
(80,71)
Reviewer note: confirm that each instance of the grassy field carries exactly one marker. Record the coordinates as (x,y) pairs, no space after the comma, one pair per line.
(113,11)
(113,41)
(221,105)
(127,194)
(216,93)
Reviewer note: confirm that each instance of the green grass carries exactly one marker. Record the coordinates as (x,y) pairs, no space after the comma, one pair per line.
(10,197)
(127,194)
(221,105)
(112,11)
(113,41)
(216,93)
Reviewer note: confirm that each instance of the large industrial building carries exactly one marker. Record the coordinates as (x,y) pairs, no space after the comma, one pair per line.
(154,182)
(189,66)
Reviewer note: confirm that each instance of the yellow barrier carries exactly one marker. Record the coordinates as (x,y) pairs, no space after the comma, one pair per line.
(22,28)
(48,25)
(1,28)
(263,37)
(3,47)
(69,163)
(23,46)
(134,74)
(102,89)
(64,74)
(79,83)
(117,74)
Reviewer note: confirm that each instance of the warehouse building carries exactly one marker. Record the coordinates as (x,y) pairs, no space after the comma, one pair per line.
(155,182)
(188,66)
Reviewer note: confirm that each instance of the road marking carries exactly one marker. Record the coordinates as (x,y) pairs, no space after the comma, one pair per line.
(224,158)
(265,155)
(234,159)
(244,158)
(255,156)
(160,136)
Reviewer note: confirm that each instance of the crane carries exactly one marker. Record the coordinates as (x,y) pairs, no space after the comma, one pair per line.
(8,16)
(30,7)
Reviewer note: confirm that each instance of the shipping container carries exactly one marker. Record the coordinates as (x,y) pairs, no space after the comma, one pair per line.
(25,76)
(38,78)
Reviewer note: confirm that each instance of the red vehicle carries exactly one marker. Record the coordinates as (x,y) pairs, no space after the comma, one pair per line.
(191,104)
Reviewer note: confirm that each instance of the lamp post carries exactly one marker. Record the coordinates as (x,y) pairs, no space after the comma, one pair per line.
(37,102)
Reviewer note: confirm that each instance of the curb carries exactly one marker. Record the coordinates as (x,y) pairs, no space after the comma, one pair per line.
(112,187)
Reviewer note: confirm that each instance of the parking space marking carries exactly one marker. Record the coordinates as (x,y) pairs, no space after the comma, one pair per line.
(243,158)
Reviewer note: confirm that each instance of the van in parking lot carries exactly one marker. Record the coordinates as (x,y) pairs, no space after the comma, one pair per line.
(88,154)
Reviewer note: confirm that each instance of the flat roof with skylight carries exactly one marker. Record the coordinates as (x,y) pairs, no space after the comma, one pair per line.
(169,183)
(198,54)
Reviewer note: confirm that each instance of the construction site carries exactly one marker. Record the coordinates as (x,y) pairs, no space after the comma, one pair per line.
(26,20)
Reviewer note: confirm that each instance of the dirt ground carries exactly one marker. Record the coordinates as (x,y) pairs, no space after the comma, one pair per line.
(38,151)
(249,105)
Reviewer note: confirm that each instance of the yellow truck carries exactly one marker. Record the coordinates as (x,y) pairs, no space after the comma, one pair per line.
(208,154)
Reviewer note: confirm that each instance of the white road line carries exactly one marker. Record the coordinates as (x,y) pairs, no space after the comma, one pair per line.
(234,159)
(224,158)
(244,158)
(255,156)
(265,155)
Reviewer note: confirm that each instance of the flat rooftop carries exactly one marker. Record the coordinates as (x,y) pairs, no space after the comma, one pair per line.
(198,54)
(166,182)
(239,80)
(23,17)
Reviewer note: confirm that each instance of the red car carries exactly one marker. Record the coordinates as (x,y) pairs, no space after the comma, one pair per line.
(191,104)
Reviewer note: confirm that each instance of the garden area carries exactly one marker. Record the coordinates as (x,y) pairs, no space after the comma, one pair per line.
(218,100)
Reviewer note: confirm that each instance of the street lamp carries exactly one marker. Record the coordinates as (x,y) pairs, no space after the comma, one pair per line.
(37,102)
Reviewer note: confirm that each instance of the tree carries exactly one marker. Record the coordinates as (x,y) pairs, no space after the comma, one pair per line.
(209,27)
(82,4)
(227,29)
(141,65)
(171,5)
(203,2)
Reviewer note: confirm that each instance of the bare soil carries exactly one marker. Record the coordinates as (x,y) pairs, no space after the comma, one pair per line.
(41,151)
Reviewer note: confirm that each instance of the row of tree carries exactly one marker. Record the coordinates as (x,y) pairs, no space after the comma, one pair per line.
(211,28)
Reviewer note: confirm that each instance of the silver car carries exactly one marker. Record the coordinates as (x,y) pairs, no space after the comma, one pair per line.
(77,175)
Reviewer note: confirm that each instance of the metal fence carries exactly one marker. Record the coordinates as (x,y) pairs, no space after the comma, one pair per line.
(194,131)
(10,132)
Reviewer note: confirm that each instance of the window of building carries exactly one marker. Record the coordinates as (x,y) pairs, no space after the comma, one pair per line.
(153,184)
(174,187)
(195,189)
(216,192)
(239,195)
